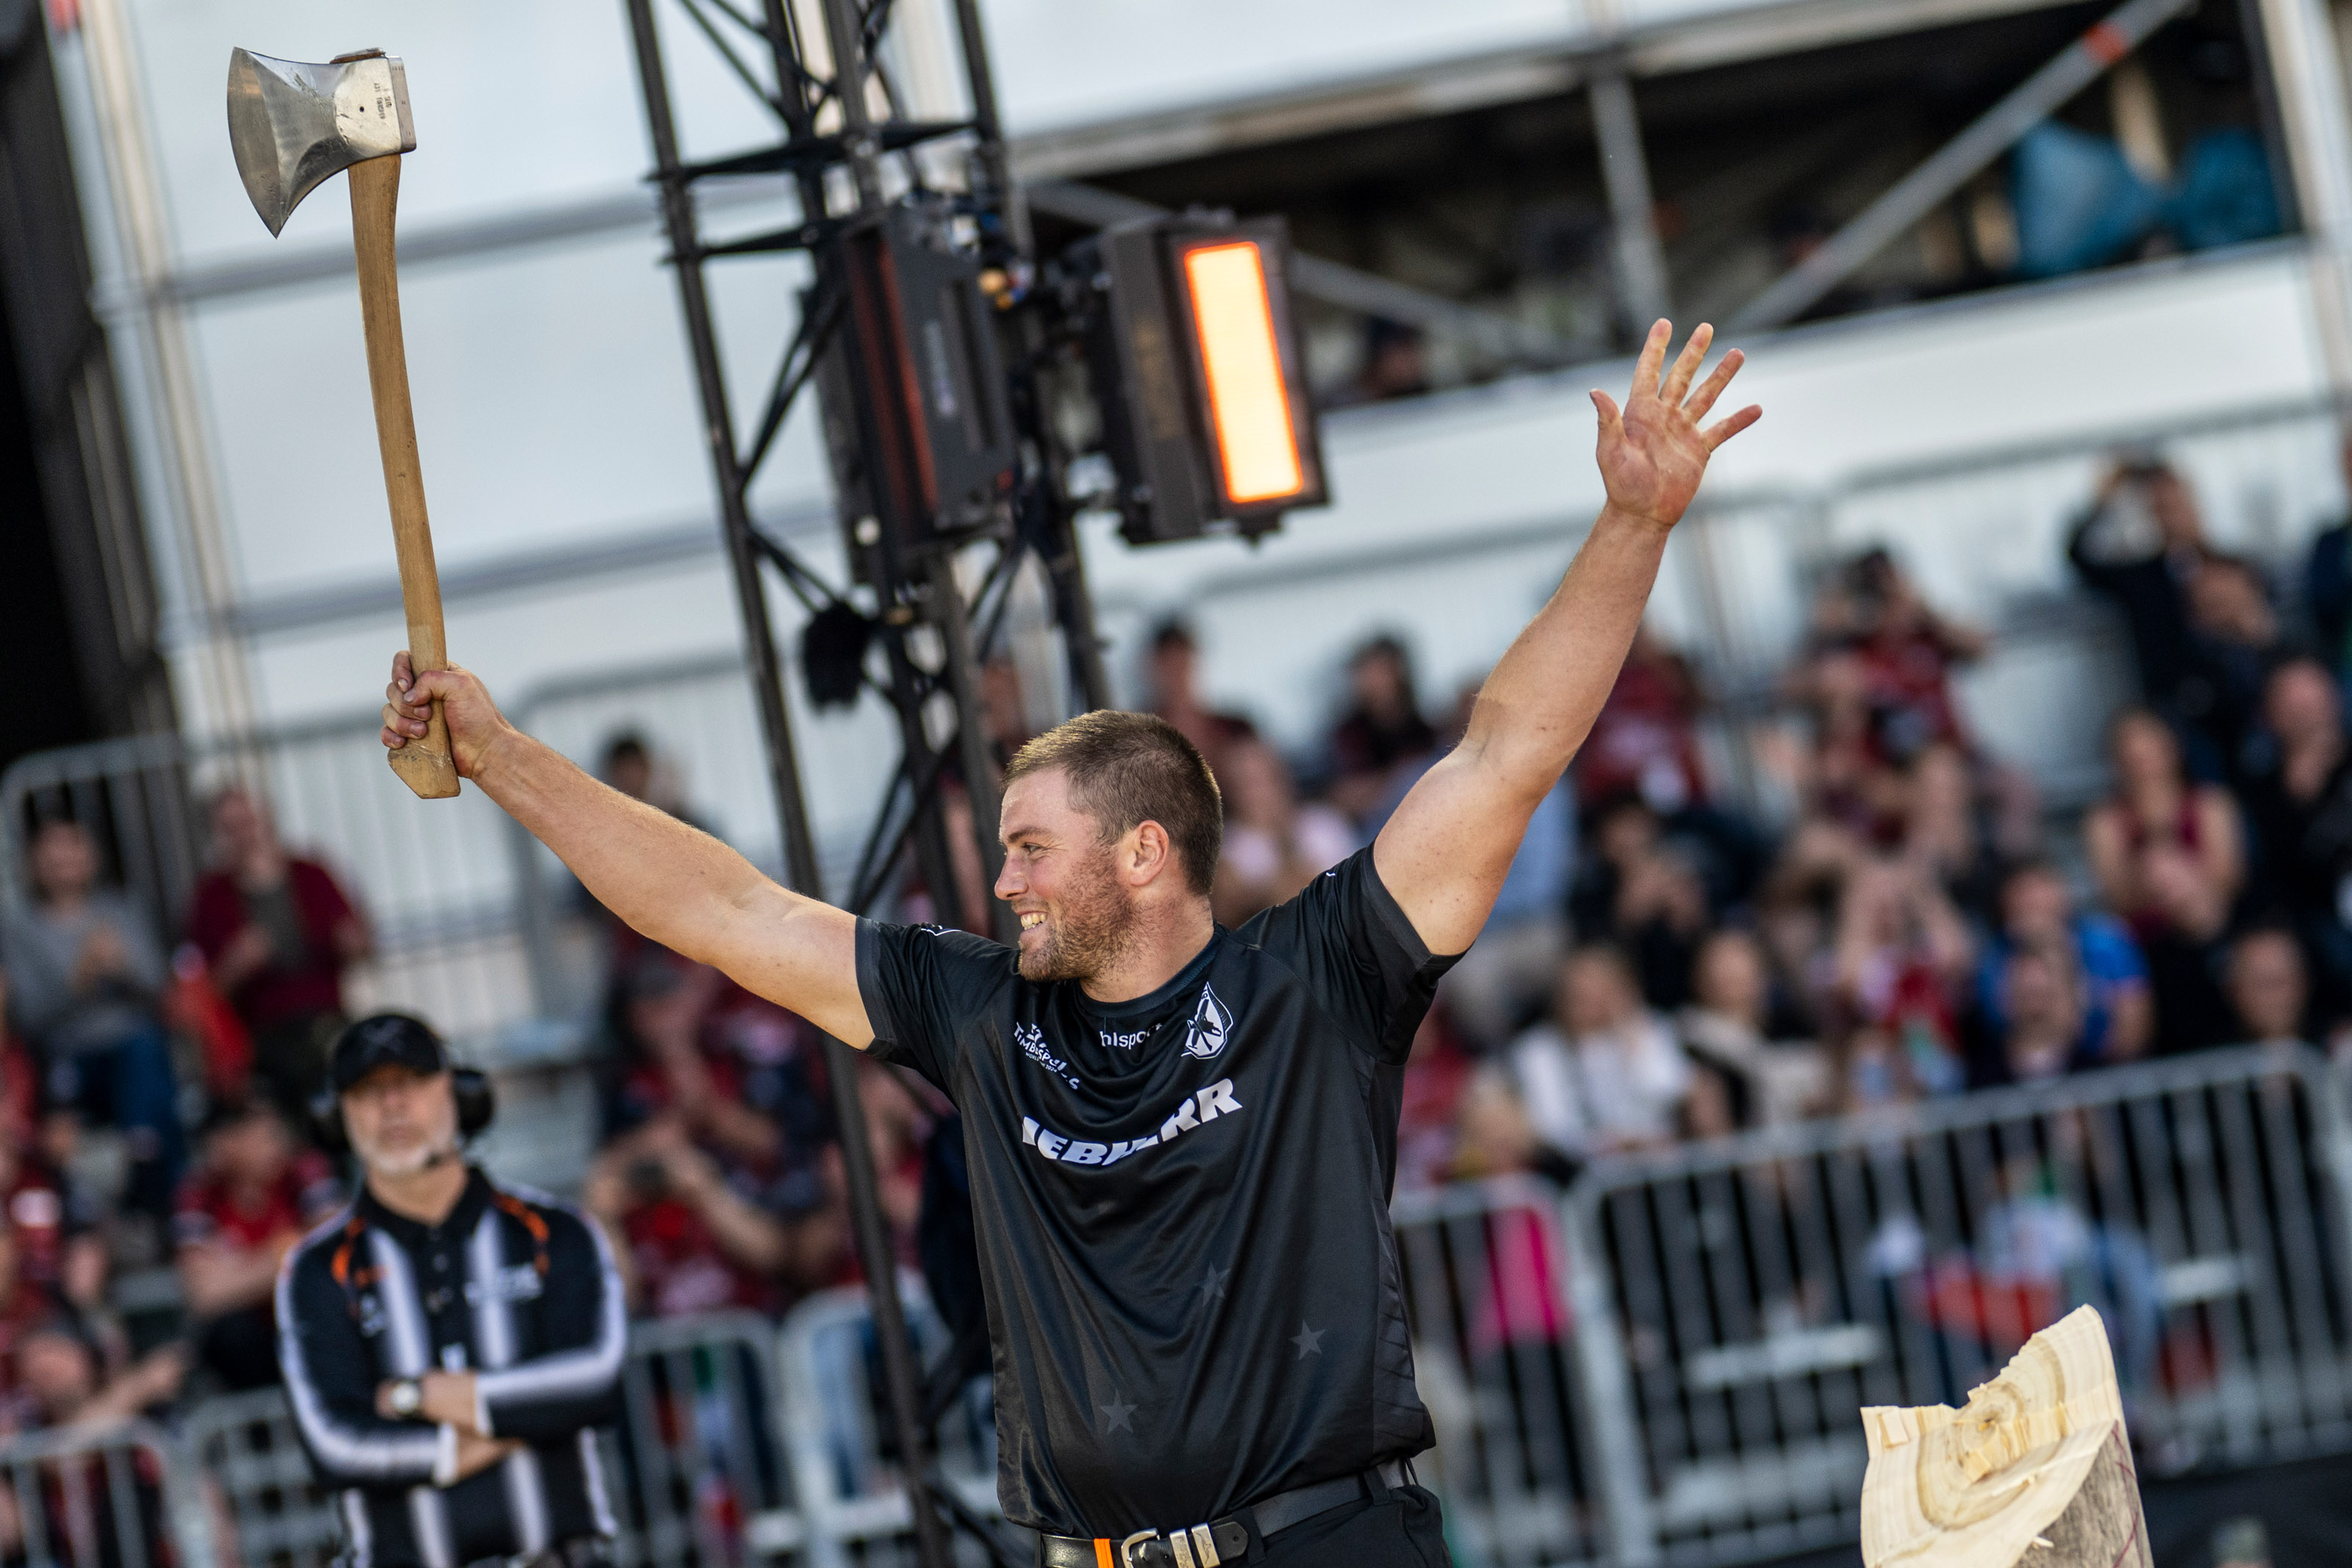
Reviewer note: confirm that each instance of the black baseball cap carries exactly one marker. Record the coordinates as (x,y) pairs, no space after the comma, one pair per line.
(384,1039)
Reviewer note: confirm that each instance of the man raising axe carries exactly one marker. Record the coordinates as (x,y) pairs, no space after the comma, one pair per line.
(1181,1138)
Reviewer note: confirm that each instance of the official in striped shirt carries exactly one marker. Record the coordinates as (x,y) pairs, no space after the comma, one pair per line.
(450,1347)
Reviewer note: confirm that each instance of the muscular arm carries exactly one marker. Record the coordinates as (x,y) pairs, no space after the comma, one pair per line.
(1444,853)
(673,883)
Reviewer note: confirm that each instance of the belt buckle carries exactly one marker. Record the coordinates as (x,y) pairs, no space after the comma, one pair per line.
(1125,1546)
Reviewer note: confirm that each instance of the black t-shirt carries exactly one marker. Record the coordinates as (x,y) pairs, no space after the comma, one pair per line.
(1182,1204)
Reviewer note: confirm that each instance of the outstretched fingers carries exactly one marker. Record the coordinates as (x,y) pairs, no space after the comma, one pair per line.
(1723,429)
(1653,359)
(1712,388)
(1686,364)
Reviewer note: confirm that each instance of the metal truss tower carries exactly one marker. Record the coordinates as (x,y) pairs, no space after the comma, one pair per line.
(937,606)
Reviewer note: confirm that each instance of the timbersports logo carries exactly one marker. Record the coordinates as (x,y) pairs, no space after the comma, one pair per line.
(1032,1041)
(1212,1022)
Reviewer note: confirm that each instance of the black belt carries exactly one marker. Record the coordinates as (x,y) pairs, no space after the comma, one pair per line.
(1220,1540)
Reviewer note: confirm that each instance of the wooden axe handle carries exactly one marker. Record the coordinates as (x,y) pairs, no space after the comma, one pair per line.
(425,765)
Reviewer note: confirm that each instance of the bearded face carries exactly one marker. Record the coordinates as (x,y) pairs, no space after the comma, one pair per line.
(1088,924)
(400,1121)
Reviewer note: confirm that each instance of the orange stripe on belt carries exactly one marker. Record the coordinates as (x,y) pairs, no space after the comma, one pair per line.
(1102,1551)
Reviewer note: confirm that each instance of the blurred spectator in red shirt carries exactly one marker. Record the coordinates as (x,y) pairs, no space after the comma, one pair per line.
(692,1236)
(60,1245)
(99,1511)
(1644,741)
(1435,1075)
(277,931)
(1880,681)
(745,1077)
(1845,777)
(20,1078)
(23,1305)
(253,1193)
(712,1181)
(1902,955)
(1909,651)
(2169,861)
(1173,672)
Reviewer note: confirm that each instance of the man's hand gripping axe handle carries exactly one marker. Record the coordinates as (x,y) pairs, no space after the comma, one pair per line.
(425,765)
(291,126)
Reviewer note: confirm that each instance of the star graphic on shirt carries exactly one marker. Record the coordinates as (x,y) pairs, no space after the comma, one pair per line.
(1115,1415)
(1213,1287)
(1308,1341)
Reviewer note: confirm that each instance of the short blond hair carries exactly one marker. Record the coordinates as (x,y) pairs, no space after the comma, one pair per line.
(1130,768)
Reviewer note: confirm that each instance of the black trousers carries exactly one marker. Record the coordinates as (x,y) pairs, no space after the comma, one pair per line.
(1405,1532)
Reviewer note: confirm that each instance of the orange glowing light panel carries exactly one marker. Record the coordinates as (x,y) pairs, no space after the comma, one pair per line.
(1249,404)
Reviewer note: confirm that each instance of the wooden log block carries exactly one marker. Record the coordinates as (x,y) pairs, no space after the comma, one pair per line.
(2035,1471)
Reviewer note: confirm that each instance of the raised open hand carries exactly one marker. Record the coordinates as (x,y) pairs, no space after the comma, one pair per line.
(1653,452)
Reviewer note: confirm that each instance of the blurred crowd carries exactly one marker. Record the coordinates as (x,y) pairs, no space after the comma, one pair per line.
(1664,963)
(153,1115)
(1913,920)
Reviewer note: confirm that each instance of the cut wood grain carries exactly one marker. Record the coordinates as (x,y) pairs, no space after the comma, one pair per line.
(2035,1471)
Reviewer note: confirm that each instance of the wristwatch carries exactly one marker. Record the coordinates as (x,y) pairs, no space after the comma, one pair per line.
(407,1396)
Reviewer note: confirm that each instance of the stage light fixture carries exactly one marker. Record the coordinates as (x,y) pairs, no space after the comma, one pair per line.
(1197,370)
(917,355)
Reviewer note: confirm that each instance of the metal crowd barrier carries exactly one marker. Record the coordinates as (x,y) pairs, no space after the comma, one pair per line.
(1485,1286)
(1661,1366)
(850,1484)
(122,1496)
(740,1443)
(695,1475)
(1736,1303)
(267,1509)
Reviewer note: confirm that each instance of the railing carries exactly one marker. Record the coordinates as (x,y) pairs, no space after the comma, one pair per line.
(857,1509)
(1737,1302)
(1486,1286)
(695,1474)
(1660,1367)
(122,1496)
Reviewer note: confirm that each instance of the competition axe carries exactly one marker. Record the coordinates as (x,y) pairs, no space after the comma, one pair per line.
(293,126)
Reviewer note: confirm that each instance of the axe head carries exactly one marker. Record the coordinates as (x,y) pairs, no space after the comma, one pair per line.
(292,124)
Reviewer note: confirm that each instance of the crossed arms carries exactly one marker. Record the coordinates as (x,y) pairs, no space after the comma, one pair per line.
(1443,854)
(468,1420)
